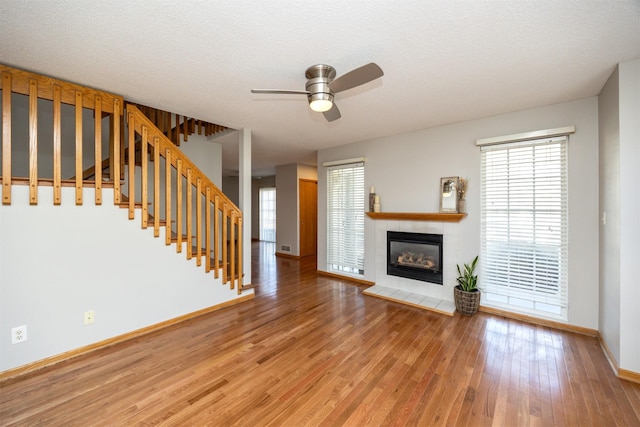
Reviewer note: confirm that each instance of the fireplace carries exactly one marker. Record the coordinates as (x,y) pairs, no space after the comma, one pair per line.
(415,256)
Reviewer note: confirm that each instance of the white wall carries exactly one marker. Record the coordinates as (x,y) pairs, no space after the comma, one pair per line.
(288,204)
(619,120)
(406,169)
(56,262)
(287,209)
(609,176)
(629,75)
(206,155)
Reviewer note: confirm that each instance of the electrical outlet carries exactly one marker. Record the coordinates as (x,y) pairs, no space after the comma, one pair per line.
(88,317)
(19,334)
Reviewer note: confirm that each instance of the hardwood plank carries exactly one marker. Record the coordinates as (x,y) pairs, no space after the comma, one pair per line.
(313,350)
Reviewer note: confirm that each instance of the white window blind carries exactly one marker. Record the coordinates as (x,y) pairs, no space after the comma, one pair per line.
(345,218)
(524,225)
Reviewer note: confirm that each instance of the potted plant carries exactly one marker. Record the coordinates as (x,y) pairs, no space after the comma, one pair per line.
(467,294)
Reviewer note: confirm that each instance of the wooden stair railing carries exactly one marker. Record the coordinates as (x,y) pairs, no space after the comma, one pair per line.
(204,218)
(208,216)
(173,125)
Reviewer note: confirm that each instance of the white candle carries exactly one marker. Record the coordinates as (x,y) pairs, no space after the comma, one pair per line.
(372,190)
(376,199)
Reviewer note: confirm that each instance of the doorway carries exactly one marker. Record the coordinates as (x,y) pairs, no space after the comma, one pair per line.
(268,214)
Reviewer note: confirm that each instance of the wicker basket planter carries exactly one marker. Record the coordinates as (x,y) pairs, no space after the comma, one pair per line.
(467,303)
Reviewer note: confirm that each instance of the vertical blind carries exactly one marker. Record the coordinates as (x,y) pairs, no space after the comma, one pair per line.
(345,218)
(524,225)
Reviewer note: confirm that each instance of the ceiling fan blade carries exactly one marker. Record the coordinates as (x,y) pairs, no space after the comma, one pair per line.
(356,77)
(281,91)
(332,114)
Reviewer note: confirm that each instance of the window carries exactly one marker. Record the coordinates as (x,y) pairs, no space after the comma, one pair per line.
(345,218)
(524,226)
(268,214)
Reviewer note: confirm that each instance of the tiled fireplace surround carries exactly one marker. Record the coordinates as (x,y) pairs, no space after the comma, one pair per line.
(416,293)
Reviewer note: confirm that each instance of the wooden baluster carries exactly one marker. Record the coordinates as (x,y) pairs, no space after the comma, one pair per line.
(224,242)
(115,143)
(199,222)
(79,148)
(177,140)
(232,251)
(216,236)
(185,129)
(156,186)
(207,232)
(123,157)
(179,204)
(33,142)
(6,138)
(167,195)
(97,115)
(57,145)
(144,176)
(239,250)
(189,213)
(132,165)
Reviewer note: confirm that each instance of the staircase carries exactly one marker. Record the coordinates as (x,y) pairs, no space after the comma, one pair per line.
(117,146)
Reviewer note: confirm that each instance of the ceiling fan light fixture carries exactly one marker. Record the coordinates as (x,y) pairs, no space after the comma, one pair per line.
(322,85)
(320,102)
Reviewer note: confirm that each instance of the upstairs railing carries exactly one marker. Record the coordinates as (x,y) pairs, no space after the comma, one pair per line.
(59,93)
(63,135)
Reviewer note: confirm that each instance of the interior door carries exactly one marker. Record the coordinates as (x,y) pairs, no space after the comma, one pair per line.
(308,216)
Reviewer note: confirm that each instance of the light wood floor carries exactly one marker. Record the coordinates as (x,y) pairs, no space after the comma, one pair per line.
(312,350)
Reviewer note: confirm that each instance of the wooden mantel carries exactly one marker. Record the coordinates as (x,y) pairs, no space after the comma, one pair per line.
(417,216)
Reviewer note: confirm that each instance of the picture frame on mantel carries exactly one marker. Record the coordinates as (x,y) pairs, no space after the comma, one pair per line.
(449,194)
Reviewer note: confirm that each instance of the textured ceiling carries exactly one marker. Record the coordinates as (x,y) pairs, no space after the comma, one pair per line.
(444,61)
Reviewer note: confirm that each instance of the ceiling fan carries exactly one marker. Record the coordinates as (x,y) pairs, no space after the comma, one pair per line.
(322,86)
